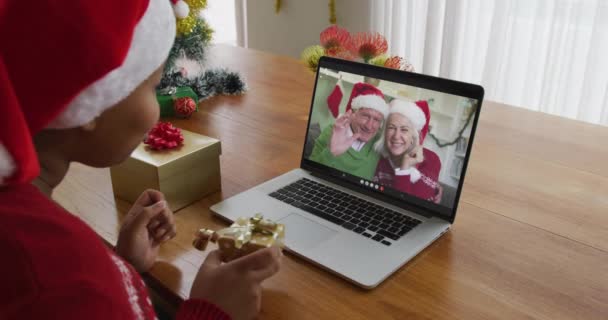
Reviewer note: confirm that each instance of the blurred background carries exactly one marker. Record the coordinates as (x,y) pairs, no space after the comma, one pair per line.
(541,55)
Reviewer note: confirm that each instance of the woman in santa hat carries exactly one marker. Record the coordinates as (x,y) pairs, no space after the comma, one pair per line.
(77,83)
(405,164)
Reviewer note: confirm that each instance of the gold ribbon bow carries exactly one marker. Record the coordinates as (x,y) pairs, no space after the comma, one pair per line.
(246,228)
(241,231)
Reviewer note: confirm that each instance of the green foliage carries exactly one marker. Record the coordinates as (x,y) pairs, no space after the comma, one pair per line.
(192,45)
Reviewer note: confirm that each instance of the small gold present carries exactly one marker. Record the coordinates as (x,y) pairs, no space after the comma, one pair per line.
(244,236)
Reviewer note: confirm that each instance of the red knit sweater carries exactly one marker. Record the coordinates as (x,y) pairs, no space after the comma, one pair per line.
(55,266)
(425,187)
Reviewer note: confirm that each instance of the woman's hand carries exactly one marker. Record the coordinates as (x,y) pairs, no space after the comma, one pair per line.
(340,141)
(412,158)
(148,224)
(235,286)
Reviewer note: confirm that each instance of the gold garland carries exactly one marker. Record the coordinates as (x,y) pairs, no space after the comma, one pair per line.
(332,12)
(186,25)
(197,5)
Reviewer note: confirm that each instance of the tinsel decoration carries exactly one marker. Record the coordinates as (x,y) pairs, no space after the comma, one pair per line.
(211,83)
(187,25)
(332,12)
(197,5)
(277,6)
(185,63)
(191,45)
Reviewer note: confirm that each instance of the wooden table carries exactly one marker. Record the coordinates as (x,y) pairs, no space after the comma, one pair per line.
(530,239)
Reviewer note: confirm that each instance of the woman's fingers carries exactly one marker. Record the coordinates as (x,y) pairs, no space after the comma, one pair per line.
(148,197)
(162,227)
(163,232)
(262,263)
(154,224)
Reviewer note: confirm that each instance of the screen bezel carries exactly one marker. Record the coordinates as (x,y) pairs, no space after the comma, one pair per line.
(442,85)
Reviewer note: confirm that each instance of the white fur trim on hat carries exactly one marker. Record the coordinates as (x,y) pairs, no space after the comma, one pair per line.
(410,110)
(152,40)
(7,165)
(371,101)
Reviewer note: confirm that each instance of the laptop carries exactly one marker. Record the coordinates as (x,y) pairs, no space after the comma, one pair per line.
(364,213)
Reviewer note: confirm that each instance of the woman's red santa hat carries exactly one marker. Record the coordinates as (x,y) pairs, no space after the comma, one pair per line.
(63,64)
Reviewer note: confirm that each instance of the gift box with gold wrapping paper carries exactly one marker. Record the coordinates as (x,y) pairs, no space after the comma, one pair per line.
(244,236)
(184,171)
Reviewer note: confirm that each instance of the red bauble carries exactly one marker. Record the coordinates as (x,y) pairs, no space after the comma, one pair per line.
(184,107)
(164,136)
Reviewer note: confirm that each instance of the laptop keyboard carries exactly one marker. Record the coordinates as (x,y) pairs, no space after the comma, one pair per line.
(360,216)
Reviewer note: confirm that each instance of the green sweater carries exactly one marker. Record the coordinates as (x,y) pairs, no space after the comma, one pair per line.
(359,163)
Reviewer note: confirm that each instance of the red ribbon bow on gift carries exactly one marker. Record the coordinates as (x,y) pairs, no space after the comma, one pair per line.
(164,136)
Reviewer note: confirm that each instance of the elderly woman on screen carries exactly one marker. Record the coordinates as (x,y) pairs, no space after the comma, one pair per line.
(405,164)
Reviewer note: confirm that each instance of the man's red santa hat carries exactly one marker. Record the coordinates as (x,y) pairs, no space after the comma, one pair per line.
(63,63)
(365,95)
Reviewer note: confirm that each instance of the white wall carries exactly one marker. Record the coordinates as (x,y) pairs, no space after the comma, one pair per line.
(220,15)
(299,23)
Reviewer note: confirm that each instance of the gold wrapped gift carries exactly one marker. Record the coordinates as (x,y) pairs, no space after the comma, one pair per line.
(184,174)
(244,236)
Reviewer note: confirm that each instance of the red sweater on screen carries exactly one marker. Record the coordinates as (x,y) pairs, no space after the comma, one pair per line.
(426,187)
(55,266)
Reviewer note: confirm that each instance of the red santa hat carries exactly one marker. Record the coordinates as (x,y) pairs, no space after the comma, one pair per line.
(62,63)
(365,95)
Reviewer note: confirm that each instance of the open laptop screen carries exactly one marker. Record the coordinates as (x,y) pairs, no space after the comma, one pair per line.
(391,133)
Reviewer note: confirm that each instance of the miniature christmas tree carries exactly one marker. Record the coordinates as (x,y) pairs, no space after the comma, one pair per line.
(185,64)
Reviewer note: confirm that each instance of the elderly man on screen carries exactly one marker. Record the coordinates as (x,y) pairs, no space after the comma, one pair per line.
(348,144)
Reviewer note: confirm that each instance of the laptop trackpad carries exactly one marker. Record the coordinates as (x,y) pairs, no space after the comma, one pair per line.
(301,233)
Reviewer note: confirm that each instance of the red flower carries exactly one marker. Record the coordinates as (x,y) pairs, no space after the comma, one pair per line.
(164,136)
(335,39)
(368,45)
(398,63)
(343,54)
(393,62)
